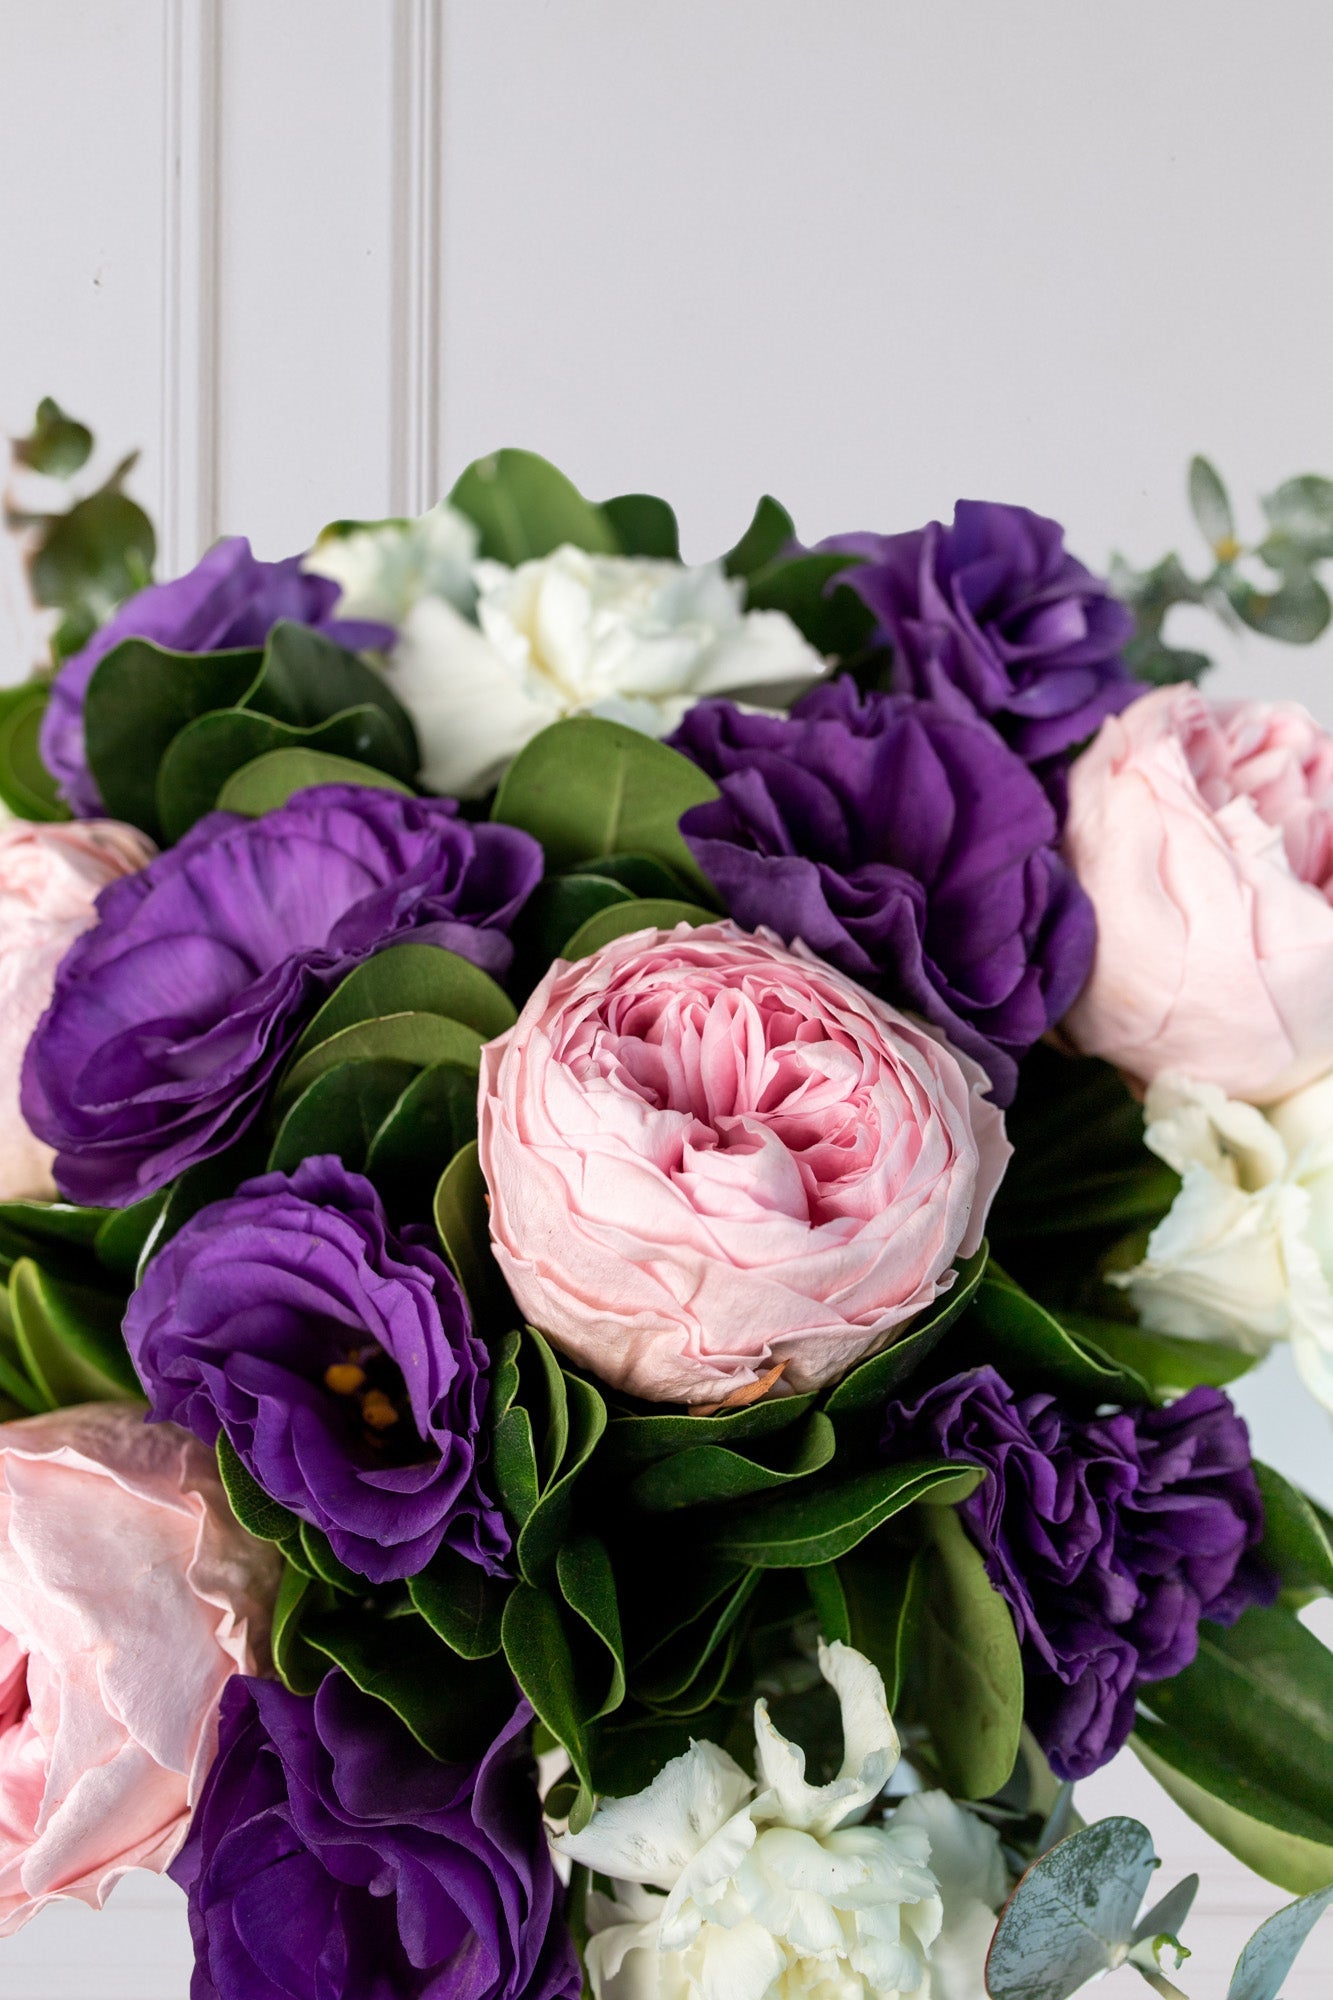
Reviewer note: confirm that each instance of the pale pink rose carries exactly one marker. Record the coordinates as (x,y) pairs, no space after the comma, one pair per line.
(708,1155)
(1203,833)
(50,877)
(128,1596)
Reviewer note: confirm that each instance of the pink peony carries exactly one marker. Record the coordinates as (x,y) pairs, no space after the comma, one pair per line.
(128,1597)
(1203,833)
(50,877)
(709,1156)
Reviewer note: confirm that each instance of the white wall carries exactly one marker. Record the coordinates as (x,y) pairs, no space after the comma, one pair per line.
(870,254)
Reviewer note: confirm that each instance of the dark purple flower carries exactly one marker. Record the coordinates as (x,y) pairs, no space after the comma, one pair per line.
(338,1356)
(228,599)
(904,844)
(329,1858)
(1109,1539)
(171,1016)
(994,617)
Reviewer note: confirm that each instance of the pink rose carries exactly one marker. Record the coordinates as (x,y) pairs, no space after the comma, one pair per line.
(708,1155)
(128,1596)
(1203,833)
(50,877)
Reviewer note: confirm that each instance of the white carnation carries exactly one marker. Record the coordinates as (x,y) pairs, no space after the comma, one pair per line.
(724,1890)
(1245,1253)
(385,568)
(635,641)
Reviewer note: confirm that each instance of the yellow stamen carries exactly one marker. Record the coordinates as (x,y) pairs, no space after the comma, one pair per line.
(377,1410)
(344,1378)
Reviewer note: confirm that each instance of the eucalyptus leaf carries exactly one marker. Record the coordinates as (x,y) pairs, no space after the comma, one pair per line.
(644,526)
(140,697)
(1297,612)
(813,592)
(433,1119)
(585,787)
(269,780)
(554,911)
(1212,509)
(307,678)
(640,875)
(973,1670)
(341,1112)
(623,919)
(420,1039)
(524,508)
(1072,1915)
(819,1525)
(95,556)
(1301,512)
(412,979)
(57,446)
(771,530)
(1275,1947)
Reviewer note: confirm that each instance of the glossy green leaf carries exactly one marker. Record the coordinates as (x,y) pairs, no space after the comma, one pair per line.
(586,787)
(644,526)
(26,786)
(70,1338)
(434,1118)
(300,1667)
(548,1390)
(973,1670)
(1295,1542)
(1275,1947)
(1072,1915)
(453,1707)
(413,979)
(120,1239)
(140,697)
(709,1473)
(462,1219)
(537,1648)
(199,760)
(341,1112)
(621,919)
(324,1564)
(524,508)
(554,912)
(870,1384)
(1027,1343)
(268,781)
(807,588)
(640,1440)
(211,1180)
(461,1603)
(1278,1840)
(817,1526)
(307,678)
(547,1527)
(257,1513)
(421,1039)
(1168,1365)
(55,1222)
(770,531)
(1212,510)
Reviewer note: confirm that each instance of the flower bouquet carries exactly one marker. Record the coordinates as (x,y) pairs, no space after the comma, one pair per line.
(601,1105)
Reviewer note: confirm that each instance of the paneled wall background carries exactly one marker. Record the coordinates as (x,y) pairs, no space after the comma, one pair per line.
(312,255)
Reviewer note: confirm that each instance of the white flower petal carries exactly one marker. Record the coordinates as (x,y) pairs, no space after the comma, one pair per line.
(472,711)
(388,567)
(655,1835)
(870,1751)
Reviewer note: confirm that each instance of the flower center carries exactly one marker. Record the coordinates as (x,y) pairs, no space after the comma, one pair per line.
(368,1385)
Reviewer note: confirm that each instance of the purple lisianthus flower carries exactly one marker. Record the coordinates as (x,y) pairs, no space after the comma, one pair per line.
(993,616)
(906,845)
(171,1016)
(1109,1539)
(329,1858)
(228,599)
(338,1356)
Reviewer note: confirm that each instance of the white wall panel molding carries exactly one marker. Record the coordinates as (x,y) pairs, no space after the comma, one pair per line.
(415,472)
(188,473)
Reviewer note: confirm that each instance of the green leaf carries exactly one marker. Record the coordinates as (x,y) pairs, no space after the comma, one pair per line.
(1300,514)
(1168,1365)
(1275,1947)
(870,1384)
(453,1707)
(462,1219)
(1028,1343)
(1296,613)
(588,1585)
(257,1512)
(622,919)
(884,1593)
(830,1601)
(26,786)
(514,1460)
(710,1473)
(435,1117)
(299,1666)
(640,1440)
(121,1237)
(413,979)
(524,508)
(827,611)
(95,556)
(585,787)
(61,1223)
(70,1338)
(1243,1740)
(1295,1544)
(421,1039)
(818,1526)
(307,677)
(687,1672)
(770,531)
(57,445)
(541,1659)
(973,1670)
(268,781)
(1072,1915)
(644,526)
(140,697)
(547,1526)
(554,911)
(198,762)
(639,874)
(1212,510)
(341,1112)
(321,1561)
(461,1604)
